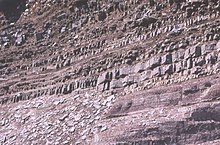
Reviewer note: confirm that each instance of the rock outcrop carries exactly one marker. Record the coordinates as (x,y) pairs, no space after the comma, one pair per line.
(105,72)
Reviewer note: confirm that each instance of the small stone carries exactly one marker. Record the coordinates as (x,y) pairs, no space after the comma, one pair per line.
(77,96)
(110,98)
(97,118)
(91,121)
(77,143)
(83,137)
(63,117)
(5,139)
(108,105)
(97,112)
(66,142)
(19,40)
(63,29)
(56,103)
(104,103)
(104,128)
(77,117)
(97,106)
(72,129)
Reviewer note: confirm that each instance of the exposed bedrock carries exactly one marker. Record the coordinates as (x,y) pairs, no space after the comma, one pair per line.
(110,72)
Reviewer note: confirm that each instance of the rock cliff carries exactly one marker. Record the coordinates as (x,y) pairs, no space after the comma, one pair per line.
(110,72)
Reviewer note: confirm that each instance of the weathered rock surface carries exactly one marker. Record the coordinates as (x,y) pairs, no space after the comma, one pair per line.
(110,72)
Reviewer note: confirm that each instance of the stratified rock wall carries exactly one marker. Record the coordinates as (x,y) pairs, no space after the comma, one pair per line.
(110,72)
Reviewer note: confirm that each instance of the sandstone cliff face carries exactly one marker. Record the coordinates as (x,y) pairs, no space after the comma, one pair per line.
(110,72)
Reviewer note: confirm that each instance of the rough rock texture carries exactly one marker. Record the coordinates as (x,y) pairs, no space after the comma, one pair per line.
(110,72)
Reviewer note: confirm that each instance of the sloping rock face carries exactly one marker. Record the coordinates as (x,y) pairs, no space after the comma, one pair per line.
(110,72)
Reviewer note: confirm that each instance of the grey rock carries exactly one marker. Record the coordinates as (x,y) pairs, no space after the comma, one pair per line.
(166,59)
(207,48)
(110,98)
(211,58)
(39,36)
(107,76)
(63,29)
(196,70)
(218,46)
(116,84)
(102,16)
(156,72)
(72,129)
(129,80)
(187,54)
(200,61)
(103,128)
(178,55)
(196,51)
(20,40)
(77,117)
(145,75)
(175,31)
(80,3)
(125,71)
(140,67)
(188,63)
(168,69)
(63,117)
(154,62)
(146,21)
(179,66)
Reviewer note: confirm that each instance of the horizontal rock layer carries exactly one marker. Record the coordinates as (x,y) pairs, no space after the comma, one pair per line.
(110,72)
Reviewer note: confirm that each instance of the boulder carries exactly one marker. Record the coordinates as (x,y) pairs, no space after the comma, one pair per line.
(146,21)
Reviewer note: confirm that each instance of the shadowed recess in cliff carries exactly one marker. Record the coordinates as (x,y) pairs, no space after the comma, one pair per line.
(12,9)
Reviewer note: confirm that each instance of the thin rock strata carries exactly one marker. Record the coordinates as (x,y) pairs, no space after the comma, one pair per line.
(111,72)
